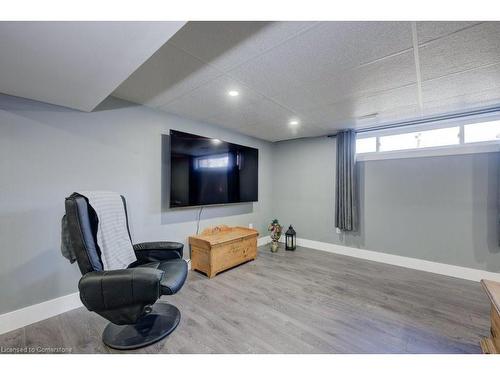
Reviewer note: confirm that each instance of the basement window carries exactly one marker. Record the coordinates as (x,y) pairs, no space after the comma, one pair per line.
(423,139)
(459,136)
(364,145)
(482,132)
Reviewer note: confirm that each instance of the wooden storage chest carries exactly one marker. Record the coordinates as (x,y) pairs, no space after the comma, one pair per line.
(220,248)
(491,345)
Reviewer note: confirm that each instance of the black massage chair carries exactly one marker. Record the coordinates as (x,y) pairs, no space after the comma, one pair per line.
(125,297)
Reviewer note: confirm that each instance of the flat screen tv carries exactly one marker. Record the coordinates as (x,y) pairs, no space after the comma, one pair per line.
(206,171)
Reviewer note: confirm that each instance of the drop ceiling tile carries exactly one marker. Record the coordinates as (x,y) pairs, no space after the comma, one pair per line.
(462,103)
(269,128)
(369,79)
(208,99)
(322,51)
(471,89)
(212,104)
(228,44)
(430,30)
(262,132)
(461,84)
(385,117)
(280,132)
(303,131)
(167,75)
(387,101)
(329,76)
(471,48)
(261,112)
(350,110)
(392,115)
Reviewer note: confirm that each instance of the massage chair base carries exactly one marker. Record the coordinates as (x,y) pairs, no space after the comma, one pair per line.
(161,322)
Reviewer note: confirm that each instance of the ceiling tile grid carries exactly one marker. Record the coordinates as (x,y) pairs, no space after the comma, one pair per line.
(325,50)
(226,45)
(200,53)
(374,78)
(329,75)
(430,30)
(169,74)
(467,49)
(464,90)
(464,83)
(352,111)
(212,104)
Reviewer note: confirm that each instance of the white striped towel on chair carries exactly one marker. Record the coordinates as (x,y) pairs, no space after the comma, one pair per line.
(112,233)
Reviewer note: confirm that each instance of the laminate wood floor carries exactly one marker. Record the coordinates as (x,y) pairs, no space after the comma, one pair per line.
(305,301)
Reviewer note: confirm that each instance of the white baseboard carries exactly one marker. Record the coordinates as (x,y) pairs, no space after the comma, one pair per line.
(34,313)
(263,240)
(44,310)
(466,273)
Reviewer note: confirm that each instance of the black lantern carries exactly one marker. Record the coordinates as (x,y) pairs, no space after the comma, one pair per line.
(290,239)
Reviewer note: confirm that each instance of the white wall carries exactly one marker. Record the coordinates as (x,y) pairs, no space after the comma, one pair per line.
(48,152)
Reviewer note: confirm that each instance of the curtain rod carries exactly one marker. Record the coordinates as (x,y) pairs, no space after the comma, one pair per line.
(426,120)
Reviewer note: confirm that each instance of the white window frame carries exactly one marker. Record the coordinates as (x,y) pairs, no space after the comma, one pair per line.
(459,149)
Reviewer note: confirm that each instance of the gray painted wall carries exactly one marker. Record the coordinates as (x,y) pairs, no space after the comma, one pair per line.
(47,152)
(442,209)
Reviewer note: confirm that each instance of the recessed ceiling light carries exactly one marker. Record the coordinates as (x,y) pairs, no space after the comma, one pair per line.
(216,141)
(293,122)
(233,93)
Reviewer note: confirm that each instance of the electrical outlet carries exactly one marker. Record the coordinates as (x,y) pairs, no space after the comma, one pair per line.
(250,225)
(338,230)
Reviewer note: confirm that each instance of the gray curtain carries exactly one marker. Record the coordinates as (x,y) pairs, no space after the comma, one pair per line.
(346,202)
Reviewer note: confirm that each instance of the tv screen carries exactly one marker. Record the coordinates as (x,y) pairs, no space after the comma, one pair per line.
(206,171)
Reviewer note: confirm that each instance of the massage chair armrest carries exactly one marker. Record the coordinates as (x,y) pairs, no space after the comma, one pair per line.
(158,251)
(122,296)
